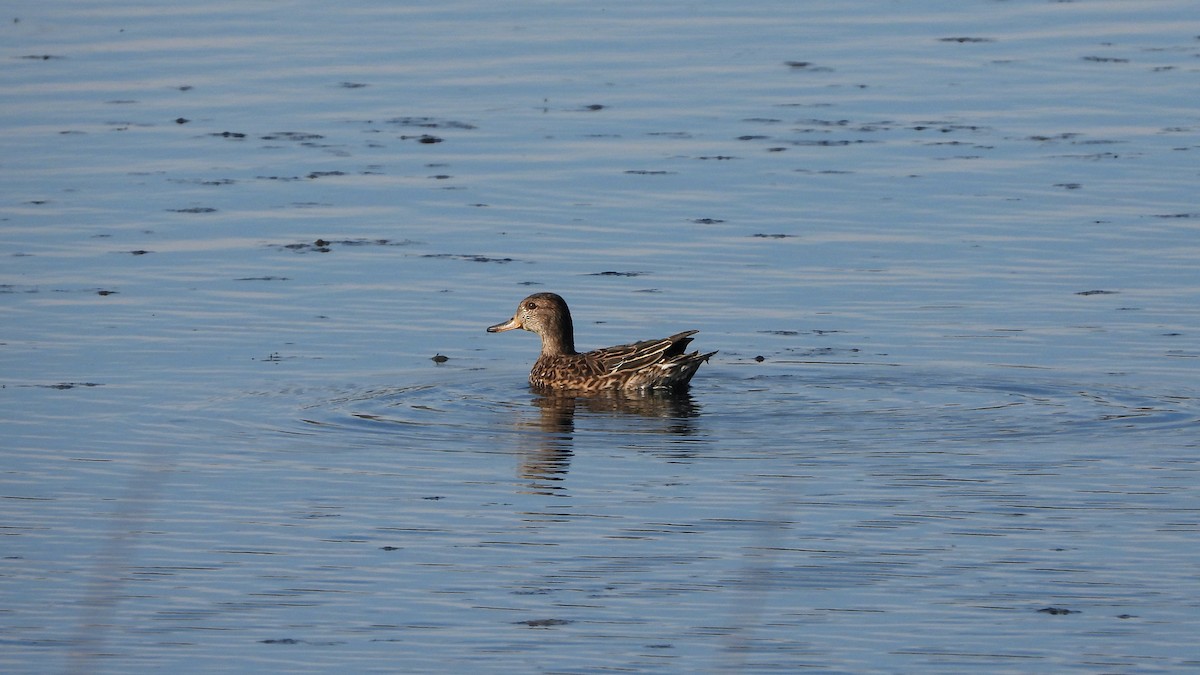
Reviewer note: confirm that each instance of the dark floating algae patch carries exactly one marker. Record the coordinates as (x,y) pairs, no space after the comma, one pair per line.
(611,273)
(829,143)
(429,123)
(210,182)
(297,136)
(544,623)
(807,66)
(326,245)
(468,257)
(66,385)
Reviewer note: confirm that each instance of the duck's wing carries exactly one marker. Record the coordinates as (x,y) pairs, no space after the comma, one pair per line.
(639,355)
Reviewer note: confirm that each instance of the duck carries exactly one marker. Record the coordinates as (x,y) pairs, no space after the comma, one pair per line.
(638,366)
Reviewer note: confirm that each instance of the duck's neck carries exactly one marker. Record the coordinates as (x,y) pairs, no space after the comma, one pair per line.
(558,338)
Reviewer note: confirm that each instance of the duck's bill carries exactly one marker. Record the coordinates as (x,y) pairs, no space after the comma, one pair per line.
(507,325)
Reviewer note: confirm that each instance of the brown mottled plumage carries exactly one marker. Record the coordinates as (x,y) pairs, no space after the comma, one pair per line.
(650,364)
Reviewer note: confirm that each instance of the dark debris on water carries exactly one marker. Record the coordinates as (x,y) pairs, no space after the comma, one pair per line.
(807,66)
(326,245)
(544,623)
(297,136)
(429,123)
(468,257)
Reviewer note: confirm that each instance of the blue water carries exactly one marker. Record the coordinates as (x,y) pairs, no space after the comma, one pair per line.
(962,237)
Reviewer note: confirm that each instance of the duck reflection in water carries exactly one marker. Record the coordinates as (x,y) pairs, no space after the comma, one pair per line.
(547,457)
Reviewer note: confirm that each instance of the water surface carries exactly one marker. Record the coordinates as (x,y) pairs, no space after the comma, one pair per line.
(961,238)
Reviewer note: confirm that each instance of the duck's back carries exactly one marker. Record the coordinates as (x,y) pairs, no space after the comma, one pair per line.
(661,363)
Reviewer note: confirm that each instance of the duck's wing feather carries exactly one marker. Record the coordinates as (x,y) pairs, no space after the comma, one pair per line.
(639,355)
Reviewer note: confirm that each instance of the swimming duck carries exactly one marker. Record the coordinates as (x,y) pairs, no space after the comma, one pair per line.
(650,364)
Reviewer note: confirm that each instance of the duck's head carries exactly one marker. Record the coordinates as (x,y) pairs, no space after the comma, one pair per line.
(547,315)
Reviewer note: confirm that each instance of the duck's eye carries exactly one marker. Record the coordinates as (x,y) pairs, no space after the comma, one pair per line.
(531,305)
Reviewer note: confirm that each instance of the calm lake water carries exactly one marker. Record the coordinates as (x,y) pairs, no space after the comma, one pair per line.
(949,253)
